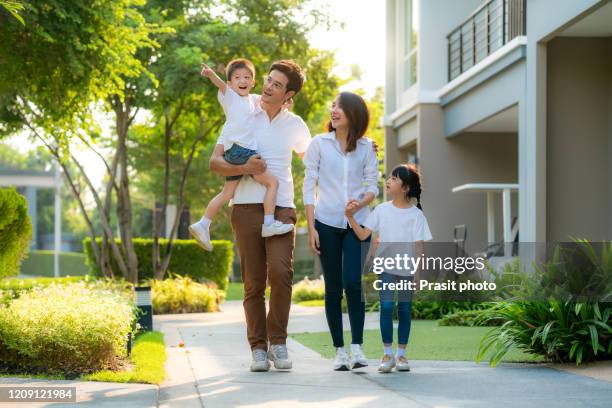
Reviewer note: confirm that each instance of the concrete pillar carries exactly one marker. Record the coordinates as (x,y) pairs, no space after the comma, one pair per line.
(58,222)
(30,194)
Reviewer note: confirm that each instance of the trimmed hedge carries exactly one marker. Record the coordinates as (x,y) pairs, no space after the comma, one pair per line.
(188,259)
(40,263)
(15,231)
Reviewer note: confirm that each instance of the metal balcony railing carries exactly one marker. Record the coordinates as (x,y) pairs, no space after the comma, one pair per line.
(491,26)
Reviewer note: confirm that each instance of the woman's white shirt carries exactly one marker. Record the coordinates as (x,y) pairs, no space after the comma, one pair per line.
(339,177)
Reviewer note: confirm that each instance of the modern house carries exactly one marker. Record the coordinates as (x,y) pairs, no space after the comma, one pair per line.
(506,105)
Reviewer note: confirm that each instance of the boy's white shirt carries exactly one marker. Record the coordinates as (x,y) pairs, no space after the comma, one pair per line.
(276,140)
(239,112)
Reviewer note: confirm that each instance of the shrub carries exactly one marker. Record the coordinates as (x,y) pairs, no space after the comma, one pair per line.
(13,288)
(181,294)
(40,263)
(307,289)
(469,318)
(15,231)
(65,329)
(188,259)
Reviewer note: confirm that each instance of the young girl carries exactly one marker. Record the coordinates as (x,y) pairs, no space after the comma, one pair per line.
(239,145)
(398,221)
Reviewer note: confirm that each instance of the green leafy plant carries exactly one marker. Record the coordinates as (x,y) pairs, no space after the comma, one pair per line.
(308,289)
(188,259)
(469,318)
(181,294)
(15,231)
(65,329)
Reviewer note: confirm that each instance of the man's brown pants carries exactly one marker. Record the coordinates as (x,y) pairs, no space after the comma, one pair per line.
(262,259)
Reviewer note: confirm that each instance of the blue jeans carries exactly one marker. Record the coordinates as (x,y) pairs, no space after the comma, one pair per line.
(341,260)
(237,155)
(404,311)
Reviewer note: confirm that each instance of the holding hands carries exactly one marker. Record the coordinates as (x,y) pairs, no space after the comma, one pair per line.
(351,208)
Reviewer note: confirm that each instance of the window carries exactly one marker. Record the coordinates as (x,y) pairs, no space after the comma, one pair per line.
(409,41)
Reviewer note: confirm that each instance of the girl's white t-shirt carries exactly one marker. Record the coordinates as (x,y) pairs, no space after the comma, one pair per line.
(239,111)
(398,229)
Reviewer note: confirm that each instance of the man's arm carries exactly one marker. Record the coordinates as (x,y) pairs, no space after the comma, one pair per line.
(255,165)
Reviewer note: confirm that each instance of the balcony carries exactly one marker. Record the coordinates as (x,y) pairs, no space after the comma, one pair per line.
(489,28)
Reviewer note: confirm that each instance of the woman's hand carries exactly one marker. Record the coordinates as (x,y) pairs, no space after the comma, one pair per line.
(313,239)
(351,208)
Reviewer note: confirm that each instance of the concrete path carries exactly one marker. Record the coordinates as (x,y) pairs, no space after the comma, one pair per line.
(212,371)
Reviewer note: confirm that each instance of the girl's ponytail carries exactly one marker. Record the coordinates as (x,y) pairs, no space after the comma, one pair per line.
(411,178)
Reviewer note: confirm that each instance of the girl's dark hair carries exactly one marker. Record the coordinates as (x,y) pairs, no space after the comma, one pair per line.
(358,116)
(411,177)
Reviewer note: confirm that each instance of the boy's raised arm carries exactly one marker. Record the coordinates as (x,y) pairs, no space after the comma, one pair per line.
(209,73)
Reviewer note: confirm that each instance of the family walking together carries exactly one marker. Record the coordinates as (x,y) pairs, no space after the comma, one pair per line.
(254,153)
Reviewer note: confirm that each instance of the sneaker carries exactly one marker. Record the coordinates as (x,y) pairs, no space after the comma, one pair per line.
(341,362)
(386,364)
(260,360)
(201,234)
(402,364)
(358,360)
(280,357)
(276,228)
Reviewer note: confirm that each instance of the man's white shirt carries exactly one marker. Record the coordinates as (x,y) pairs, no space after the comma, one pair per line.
(276,140)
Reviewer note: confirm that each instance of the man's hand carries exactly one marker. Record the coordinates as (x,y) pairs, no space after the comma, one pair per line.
(313,240)
(207,72)
(374,146)
(255,165)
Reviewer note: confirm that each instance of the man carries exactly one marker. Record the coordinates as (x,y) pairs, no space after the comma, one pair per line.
(278,133)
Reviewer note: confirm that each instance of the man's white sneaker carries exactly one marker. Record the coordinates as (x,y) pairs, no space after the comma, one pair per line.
(260,360)
(280,357)
(386,364)
(276,228)
(402,364)
(358,360)
(201,234)
(341,362)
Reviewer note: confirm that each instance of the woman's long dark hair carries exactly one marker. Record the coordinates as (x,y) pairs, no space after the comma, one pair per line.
(411,177)
(356,111)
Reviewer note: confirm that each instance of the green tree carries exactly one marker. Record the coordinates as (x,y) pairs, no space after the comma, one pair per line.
(13,7)
(15,231)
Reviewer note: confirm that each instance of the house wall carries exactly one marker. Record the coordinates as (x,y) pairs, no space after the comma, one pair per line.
(466,158)
(579,135)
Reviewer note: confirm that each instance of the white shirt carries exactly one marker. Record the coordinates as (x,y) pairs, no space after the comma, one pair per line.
(239,112)
(398,229)
(276,140)
(341,177)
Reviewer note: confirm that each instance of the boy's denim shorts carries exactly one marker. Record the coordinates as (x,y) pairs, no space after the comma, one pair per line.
(237,155)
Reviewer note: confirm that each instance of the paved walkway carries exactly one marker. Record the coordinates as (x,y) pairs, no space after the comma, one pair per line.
(213,372)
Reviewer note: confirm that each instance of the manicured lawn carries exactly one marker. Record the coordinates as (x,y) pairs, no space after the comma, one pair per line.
(428,341)
(148,358)
(234,291)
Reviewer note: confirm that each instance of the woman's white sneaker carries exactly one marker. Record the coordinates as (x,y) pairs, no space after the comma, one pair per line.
(341,362)
(201,234)
(358,360)
(276,228)
(387,363)
(402,364)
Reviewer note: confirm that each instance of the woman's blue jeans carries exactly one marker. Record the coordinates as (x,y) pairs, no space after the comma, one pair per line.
(404,311)
(341,260)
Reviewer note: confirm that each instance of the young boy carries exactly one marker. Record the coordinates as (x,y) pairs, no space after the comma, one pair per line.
(239,145)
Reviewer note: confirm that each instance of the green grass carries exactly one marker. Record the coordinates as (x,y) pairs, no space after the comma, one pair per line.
(428,341)
(148,358)
(235,291)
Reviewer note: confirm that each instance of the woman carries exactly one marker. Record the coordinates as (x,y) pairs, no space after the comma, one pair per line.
(344,167)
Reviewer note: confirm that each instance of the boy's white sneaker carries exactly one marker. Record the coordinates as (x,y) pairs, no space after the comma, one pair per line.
(260,361)
(279,355)
(276,228)
(341,362)
(402,364)
(201,234)
(358,360)
(387,363)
